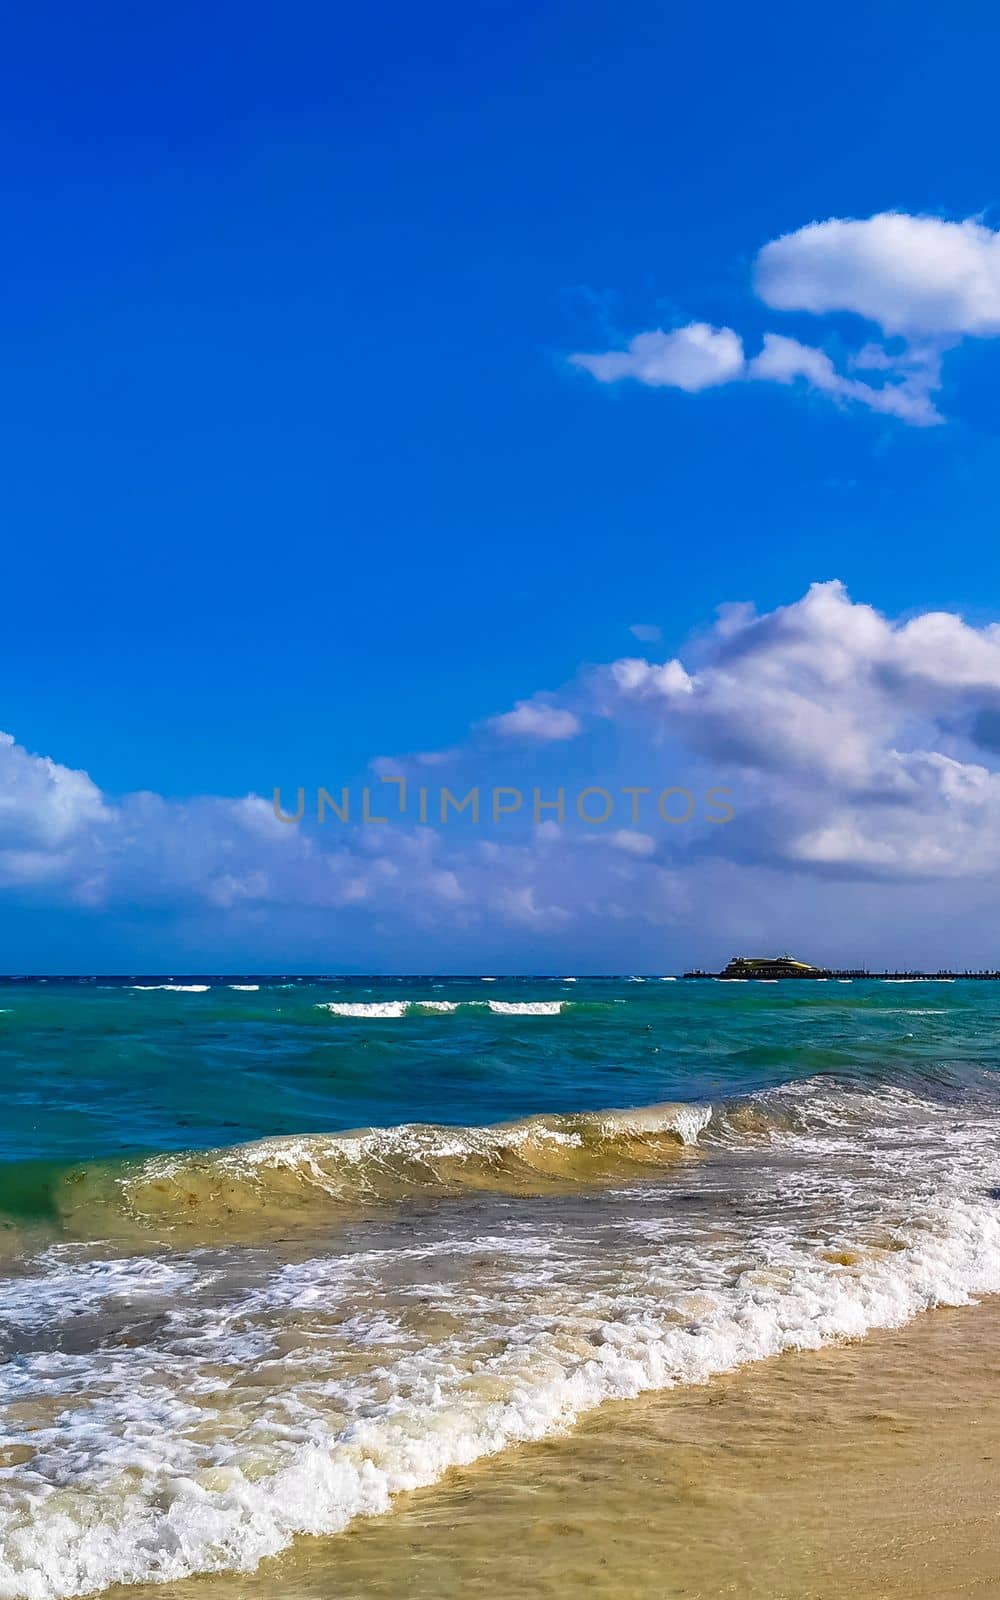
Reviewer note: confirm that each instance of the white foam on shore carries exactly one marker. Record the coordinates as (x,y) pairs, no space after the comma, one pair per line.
(147,1492)
(246,988)
(64,1287)
(246,1416)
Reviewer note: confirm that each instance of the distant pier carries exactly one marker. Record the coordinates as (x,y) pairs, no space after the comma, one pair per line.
(773,969)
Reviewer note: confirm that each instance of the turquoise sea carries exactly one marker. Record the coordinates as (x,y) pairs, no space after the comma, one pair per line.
(275,1249)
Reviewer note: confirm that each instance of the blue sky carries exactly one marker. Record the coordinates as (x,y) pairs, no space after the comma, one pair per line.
(297,470)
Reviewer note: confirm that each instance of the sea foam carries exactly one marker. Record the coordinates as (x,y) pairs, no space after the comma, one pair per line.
(526,1008)
(209,1439)
(365,1008)
(177,988)
(376,1009)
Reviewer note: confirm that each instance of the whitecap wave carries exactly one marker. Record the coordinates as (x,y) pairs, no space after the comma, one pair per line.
(365,1008)
(178,988)
(526,1008)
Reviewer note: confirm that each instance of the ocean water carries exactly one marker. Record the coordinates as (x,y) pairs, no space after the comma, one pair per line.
(275,1251)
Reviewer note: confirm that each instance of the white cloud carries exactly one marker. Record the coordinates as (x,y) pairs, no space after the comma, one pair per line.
(855,746)
(921,279)
(782,360)
(946,826)
(691,358)
(641,679)
(913,275)
(633,843)
(535,719)
(645,632)
(42,802)
(859,740)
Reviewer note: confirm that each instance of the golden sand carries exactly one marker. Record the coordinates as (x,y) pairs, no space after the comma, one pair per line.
(868,1470)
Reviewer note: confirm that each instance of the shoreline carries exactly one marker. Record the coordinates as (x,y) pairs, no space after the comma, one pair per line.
(243,1342)
(864,1469)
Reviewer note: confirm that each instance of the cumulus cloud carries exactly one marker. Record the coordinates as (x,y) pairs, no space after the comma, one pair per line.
(912,275)
(535,719)
(856,747)
(921,280)
(860,739)
(41,802)
(691,358)
(644,679)
(46,812)
(232,859)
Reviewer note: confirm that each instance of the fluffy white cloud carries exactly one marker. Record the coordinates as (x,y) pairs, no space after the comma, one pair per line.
(855,746)
(912,275)
(643,679)
(41,802)
(232,859)
(862,743)
(535,719)
(783,360)
(49,814)
(928,281)
(691,358)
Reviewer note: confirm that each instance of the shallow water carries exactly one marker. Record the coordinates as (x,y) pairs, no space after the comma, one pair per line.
(229,1320)
(864,1469)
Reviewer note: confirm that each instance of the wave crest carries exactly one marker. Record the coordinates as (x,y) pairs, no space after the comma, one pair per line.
(278,1180)
(376,1010)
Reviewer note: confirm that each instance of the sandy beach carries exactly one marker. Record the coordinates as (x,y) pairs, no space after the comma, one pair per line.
(869,1469)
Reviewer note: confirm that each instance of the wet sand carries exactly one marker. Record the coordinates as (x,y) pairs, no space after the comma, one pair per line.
(867,1470)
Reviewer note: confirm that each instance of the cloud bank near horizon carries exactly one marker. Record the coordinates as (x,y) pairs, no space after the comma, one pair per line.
(863,755)
(923,283)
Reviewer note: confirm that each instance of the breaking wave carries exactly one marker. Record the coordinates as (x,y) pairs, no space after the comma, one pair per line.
(177,988)
(250,1400)
(274,1182)
(375,1010)
(264,1187)
(527,1008)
